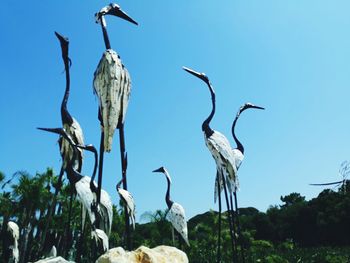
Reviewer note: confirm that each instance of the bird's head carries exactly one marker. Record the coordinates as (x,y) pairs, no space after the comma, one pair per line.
(201,76)
(115,10)
(159,170)
(64,41)
(248,105)
(164,171)
(88,147)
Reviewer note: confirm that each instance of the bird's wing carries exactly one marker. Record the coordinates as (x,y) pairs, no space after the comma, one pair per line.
(76,133)
(221,150)
(107,80)
(107,214)
(98,235)
(237,154)
(218,179)
(85,195)
(176,216)
(129,202)
(126,86)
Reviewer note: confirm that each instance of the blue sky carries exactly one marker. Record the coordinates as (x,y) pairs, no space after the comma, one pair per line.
(292,57)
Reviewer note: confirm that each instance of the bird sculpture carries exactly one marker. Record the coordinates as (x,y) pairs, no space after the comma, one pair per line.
(111,83)
(13,229)
(176,213)
(82,185)
(221,151)
(72,127)
(238,154)
(128,201)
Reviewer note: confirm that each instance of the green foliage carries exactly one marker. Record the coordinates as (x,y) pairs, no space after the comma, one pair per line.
(315,231)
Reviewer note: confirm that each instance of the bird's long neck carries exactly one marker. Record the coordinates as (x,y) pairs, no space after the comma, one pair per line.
(73,175)
(104,31)
(168,201)
(239,144)
(206,124)
(95,166)
(119,183)
(66,117)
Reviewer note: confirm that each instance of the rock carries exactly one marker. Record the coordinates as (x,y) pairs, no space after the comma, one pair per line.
(160,254)
(53,260)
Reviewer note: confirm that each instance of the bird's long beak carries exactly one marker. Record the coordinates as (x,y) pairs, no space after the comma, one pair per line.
(53,130)
(59,131)
(191,71)
(202,76)
(120,13)
(115,10)
(159,170)
(88,147)
(258,107)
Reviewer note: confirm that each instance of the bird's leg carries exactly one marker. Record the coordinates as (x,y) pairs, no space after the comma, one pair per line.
(123,158)
(233,218)
(51,210)
(234,250)
(218,257)
(100,168)
(239,228)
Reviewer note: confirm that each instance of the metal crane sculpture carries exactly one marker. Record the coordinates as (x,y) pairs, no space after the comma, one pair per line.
(128,201)
(112,86)
(220,149)
(72,127)
(86,191)
(238,154)
(344,171)
(176,213)
(13,229)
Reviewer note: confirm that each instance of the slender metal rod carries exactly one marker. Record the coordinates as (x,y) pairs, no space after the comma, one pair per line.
(239,228)
(234,249)
(233,217)
(218,256)
(100,169)
(123,159)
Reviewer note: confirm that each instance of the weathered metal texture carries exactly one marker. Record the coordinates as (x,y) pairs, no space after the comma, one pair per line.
(128,200)
(221,151)
(76,133)
(112,86)
(177,217)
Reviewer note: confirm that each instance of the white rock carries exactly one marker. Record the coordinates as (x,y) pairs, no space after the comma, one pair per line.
(160,254)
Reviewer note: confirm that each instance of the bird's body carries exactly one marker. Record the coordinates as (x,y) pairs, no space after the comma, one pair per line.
(112,86)
(13,228)
(128,201)
(221,151)
(176,213)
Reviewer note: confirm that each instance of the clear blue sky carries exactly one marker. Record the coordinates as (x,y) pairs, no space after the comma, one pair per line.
(292,57)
